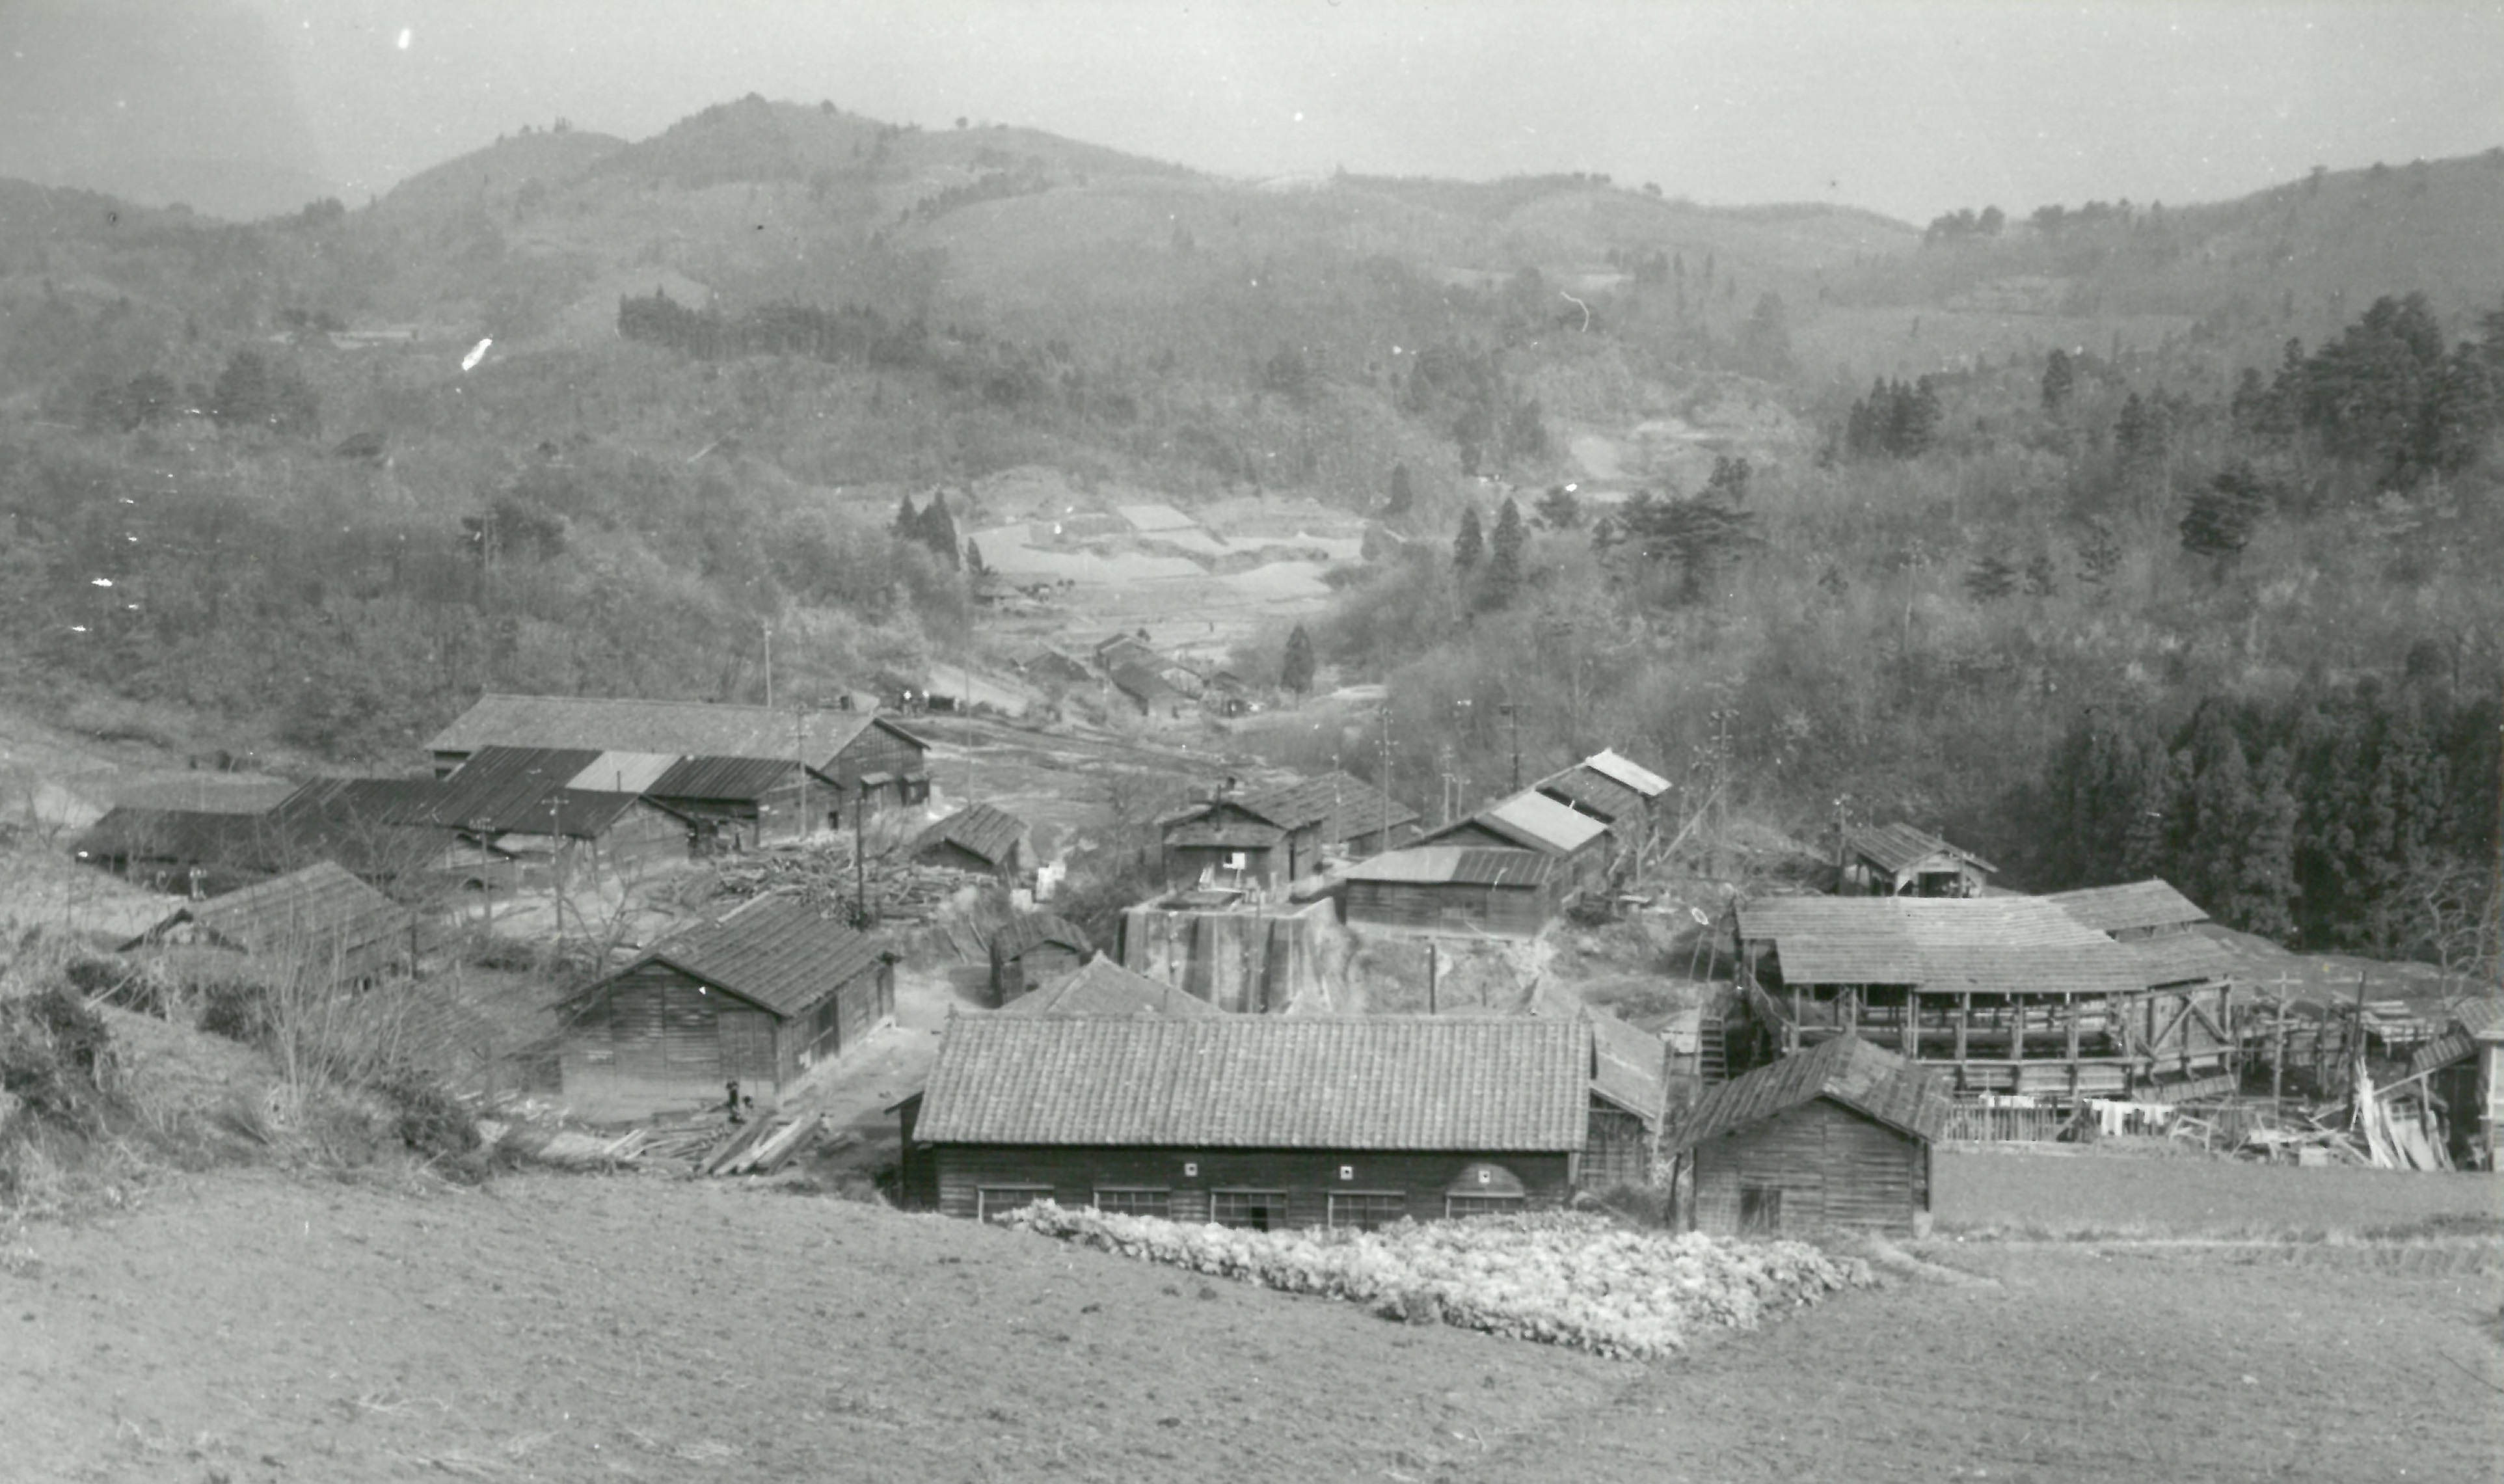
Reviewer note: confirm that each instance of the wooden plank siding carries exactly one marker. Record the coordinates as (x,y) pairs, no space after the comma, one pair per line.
(879,751)
(1449,907)
(655,1040)
(1833,1167)
(1014,977)
(957,1174)
(1619,1152)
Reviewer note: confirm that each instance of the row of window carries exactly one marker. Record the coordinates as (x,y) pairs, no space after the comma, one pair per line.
(1256,1210)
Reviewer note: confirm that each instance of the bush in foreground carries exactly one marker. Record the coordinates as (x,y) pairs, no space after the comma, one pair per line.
(1559,1277)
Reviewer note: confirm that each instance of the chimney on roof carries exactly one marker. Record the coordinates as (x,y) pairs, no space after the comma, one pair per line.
(1228,787)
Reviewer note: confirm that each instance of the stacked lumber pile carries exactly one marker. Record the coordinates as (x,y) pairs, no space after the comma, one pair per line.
(764,1146)
(896,888)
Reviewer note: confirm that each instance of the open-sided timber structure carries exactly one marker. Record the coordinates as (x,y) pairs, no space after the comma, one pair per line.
(1996,995)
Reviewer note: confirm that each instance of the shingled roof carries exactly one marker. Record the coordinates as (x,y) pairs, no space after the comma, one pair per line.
(319,912)
(1261,1082)
(1456,865)
(778,953)
(1344,807)
(1031,929)
(982,830)
(1897,846)
(1103,987)
(2123,909)
(678,728)
(1987,944)
(1866,1079)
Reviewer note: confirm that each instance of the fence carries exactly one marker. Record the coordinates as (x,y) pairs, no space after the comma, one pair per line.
(1973,1122)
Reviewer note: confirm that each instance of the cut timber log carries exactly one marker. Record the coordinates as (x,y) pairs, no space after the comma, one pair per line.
(768,1152)
(737,1146)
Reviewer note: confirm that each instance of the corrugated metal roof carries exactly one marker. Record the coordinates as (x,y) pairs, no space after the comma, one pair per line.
(1986,945)
(1898,847)
(1456,865)
(1593,793)
(624,772)
(1628,1067)
(1532,819)
(679,728)
(742,779)
(1864,1078)
(981,829)
(1262,1082)
(781,952)
(2144,903)
(1103,987)
(523,791)
(1344,807)
(319,912)
(2483,1020)
(1642,780)
(185,836)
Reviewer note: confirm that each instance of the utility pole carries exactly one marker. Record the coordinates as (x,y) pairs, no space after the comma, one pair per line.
(768,631)
(861,858)
(800,755)
(1382,779)
(2277,1055)
(1512,713)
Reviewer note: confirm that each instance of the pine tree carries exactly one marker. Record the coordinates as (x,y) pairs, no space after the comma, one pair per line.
(2148,844)
(1470,544)
(939,531)
(2265,887)
(2100,552)
(1991,578)
(1404,492)
(1502,581)
(2219,521)
(908,520)
(1296,672)
(2060,380)
(974,558)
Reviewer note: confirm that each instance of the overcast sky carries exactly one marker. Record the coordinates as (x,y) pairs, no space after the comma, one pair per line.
(1911,108)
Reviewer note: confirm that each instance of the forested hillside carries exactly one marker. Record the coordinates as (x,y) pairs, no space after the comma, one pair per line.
(2101,534)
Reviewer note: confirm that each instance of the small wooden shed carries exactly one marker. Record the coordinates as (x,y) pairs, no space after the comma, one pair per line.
(740,803)
(321,918)
(1453,889)
(1898,860)
(981,838)
(759,995)
(1530,821)
(1838,1136)
(1032,950)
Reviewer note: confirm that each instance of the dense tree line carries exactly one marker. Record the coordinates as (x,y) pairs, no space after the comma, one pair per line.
(2353,816)
(2387,395)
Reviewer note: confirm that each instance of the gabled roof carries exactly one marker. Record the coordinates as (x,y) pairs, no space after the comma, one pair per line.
(1866,1079)
(623,773)
(1222,824)
(1344,807)
(186,836)
(1103,987)
(1986,945)
(1900,847)
(1456,865)
(317,911)
(1628,1067)
(1031,929)
(2483,1020)
(1533,822)
(987,832)
(678,728)
(527,791)
(1261,1082)
(2179,959)
(1642,780)
(742,779)
(780,954)
(2122,909)
(1593,793)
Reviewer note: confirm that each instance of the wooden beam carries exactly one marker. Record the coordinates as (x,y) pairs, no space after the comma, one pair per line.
(1965,1023)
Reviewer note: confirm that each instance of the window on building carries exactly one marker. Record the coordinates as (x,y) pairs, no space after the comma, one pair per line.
(1234,860)
(992,1199)
(1365,1210)
(1259,1210)
(1133,1201)
(1483,1205)
(1761,1210)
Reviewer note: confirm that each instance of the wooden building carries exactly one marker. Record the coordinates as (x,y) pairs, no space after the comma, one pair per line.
(1448,888)
(200,854)
(2002,994)
(1103,987)
(189,852)
(2463,1067)
(1530,821)
(2129,913)
(980,837)
(759,995)
(1622,795)
(1898,860)
(741,803)
(870,759)
(1262,839)
(1252,1121)
(1629,1098)
(1032,950)
(321,919)
(1837,1137)
(540,806)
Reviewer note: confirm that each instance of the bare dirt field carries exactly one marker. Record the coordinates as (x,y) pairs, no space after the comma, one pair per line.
(255,1326)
